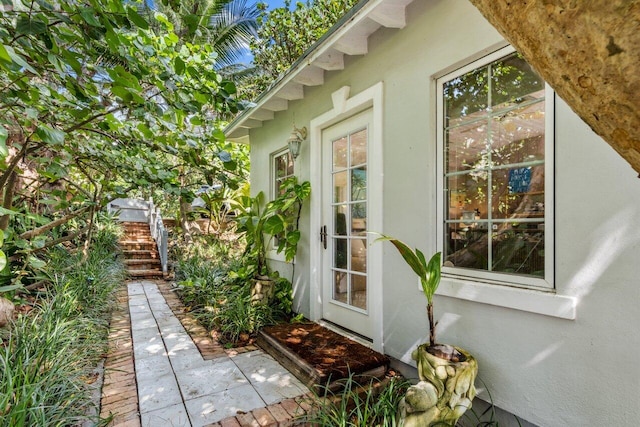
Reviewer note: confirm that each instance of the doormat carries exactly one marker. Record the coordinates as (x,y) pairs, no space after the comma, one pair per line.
(318,356)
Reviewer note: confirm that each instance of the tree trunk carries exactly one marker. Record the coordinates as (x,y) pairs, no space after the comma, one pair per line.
(588,52)
(38,231)
(7,202)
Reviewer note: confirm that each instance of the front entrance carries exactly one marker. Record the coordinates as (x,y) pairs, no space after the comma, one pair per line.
(346,285)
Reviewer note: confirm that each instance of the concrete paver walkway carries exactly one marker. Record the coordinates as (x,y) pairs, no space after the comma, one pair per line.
(177,387)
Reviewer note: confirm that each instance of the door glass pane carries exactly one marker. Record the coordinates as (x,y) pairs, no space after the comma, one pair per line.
(340,248)
(340,286)
(359,183)
(359,148)
(340,220)
(359,291)
(340,187)
(359,255)
(359,219)
(340,150)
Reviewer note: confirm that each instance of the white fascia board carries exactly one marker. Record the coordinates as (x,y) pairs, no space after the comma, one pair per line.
(328,42)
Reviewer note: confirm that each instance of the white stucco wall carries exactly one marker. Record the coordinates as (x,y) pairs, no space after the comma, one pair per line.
(547,370)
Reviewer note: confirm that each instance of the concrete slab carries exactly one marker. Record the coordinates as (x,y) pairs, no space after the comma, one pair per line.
(214,407)
(157,392)
(174,416)
(210,379)
(177,387)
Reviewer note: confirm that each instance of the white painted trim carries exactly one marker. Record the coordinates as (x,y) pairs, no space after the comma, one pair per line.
(539,302)
(344,107)
(487,277)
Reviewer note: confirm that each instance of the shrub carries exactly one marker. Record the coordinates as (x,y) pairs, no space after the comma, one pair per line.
(48,356)
(360,404)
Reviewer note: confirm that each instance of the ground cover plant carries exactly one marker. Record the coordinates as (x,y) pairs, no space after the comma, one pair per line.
(359,402)
(372,403)
(214,282)
(49,353)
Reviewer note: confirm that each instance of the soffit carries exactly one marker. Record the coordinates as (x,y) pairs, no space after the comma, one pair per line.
(349,37)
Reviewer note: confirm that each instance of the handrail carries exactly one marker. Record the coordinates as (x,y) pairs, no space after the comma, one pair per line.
(159,234)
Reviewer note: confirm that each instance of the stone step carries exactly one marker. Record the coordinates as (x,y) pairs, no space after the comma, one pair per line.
(148,273)
(142,261)
(140,254)
(132,245)
(143,264)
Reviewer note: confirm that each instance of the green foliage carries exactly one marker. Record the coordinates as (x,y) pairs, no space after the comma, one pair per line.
(227,25)
(279,219)
(48,355)
(284,35)
(428,272)
(367,405)
(217,291)
(98,100)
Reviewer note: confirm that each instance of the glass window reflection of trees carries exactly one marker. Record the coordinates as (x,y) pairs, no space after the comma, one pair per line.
(494,155)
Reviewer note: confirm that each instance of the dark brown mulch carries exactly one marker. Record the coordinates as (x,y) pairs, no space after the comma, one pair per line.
(330,354)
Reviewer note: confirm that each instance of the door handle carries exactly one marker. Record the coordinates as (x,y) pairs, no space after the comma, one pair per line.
(323,236)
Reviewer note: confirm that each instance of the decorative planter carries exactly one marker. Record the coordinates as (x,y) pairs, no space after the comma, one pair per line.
(263,290)
(6,311)
(446,388)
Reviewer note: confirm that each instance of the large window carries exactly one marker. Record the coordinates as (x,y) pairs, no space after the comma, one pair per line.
(496,169)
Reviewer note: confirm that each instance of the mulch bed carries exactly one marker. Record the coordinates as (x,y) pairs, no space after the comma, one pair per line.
(321,355)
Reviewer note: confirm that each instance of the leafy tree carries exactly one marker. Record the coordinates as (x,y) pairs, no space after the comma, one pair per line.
(96,102)
(227,25)
(284,35)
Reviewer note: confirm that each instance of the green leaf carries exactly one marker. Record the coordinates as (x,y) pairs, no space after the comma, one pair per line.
(179,65)
(137,19)
(10,288)
(50,135)
(409,256)
(4,152)
(274,225)
(28,26)
(36,263)
(89,16)
(4,55)
(4,211)
(1,240)
(18,59)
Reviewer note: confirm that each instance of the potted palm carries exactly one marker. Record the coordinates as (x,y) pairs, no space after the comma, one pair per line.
(447,373)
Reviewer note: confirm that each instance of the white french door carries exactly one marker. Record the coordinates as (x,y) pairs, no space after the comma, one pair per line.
(346,285)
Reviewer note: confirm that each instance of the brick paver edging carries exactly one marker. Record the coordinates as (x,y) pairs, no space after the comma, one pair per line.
(209,347)
(119,390)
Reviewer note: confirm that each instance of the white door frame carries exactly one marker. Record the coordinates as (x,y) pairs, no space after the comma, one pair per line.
(344,107)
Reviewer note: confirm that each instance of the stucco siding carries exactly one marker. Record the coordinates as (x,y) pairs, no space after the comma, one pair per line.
(547,370)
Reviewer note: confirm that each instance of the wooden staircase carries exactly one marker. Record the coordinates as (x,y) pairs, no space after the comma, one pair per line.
(140,251)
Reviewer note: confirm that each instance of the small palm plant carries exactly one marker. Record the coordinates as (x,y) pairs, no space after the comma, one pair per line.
(428,272)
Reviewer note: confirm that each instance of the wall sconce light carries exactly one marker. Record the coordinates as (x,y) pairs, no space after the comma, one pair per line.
(295,141)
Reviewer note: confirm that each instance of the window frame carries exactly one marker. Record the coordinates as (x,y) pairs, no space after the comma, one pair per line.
(274,170)
(272,250)
(483,276)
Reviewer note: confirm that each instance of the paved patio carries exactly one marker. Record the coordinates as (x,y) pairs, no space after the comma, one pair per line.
(177,386)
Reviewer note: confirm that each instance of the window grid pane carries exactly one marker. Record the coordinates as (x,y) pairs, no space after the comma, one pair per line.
(494,169)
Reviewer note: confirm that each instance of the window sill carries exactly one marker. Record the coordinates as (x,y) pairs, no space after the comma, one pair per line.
(539,302)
